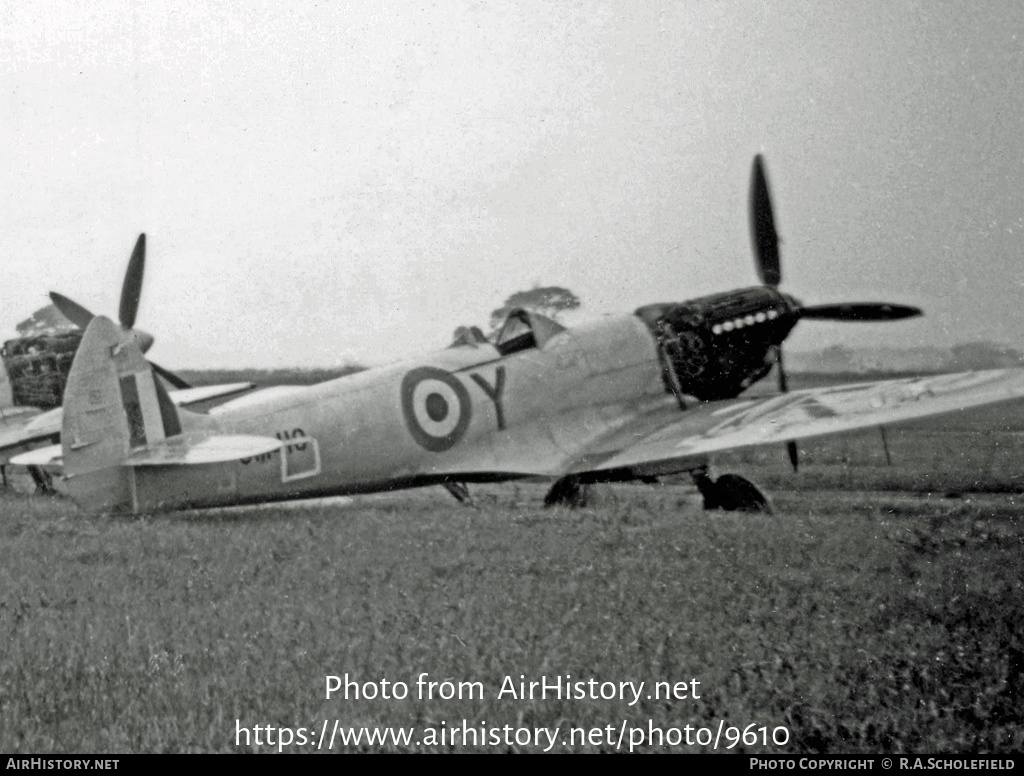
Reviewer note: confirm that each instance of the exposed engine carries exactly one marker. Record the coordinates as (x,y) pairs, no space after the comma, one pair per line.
(37,368)
(716,346)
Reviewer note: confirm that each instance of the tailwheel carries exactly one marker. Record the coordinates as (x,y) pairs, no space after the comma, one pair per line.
(567,492)
(730,492)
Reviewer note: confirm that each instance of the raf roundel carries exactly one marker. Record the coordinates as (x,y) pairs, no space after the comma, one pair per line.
(436,406)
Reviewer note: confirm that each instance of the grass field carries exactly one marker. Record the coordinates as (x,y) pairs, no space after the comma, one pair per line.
(879,609)
(864,623)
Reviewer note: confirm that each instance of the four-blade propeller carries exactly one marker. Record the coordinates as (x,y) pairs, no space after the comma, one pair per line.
(131,293)
(765,241)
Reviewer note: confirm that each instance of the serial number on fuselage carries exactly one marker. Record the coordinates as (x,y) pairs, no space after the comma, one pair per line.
(284,436)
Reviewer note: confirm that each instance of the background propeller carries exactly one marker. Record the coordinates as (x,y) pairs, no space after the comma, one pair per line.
(765,241)
(131,293)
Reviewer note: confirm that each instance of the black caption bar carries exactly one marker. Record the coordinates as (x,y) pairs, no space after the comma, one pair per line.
(735,763)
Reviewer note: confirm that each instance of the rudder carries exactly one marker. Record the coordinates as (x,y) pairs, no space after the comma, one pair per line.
(113,404)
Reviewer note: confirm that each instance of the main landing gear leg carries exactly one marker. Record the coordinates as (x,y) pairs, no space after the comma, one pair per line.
(460,490)
(567,492)
(730,492)
(43,481)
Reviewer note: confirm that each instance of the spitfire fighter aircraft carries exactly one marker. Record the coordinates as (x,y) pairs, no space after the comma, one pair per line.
(629,397)
(34,370)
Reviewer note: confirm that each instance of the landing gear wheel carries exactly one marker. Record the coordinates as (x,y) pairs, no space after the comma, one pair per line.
(567,492)
(730,492)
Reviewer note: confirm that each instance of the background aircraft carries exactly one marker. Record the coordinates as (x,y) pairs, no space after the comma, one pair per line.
(628,397)
(34,369)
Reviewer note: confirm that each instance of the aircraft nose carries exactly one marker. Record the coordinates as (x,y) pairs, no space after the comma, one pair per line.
(143,339)
(793,302)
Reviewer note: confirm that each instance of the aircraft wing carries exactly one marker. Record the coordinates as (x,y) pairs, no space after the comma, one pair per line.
(28,427)
(665,442)
(14,415)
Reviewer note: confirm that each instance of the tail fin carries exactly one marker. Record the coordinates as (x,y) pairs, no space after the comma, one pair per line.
(119,423)
(113,405)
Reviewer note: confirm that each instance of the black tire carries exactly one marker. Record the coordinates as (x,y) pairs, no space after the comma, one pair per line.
(738,494)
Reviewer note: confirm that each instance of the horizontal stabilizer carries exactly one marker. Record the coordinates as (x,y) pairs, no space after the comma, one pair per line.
(214,449)
(52,455)
(34,426)
(196,452)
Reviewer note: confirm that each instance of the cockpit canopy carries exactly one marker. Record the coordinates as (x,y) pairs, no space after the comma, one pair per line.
(523,330)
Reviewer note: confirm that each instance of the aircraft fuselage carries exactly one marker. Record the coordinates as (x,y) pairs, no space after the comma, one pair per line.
(460,410)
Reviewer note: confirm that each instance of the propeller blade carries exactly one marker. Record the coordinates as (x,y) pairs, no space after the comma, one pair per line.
(794,455)
(131,289)
(783,383)
(762,227)
(859,311)
(73,311)
(170,377)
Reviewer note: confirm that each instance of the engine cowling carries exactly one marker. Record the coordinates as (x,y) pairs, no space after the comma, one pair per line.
(715,347)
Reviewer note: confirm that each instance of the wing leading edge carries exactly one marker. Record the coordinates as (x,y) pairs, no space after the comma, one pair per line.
(720,426)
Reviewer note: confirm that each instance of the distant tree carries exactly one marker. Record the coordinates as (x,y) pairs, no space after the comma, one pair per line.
(546,300)
(837,358)
(46,320)
(983,355)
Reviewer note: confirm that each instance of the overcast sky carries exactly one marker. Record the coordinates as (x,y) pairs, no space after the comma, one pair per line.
(327,181)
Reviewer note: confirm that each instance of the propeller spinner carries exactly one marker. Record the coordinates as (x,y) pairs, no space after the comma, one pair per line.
(131,293)
(765,241)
